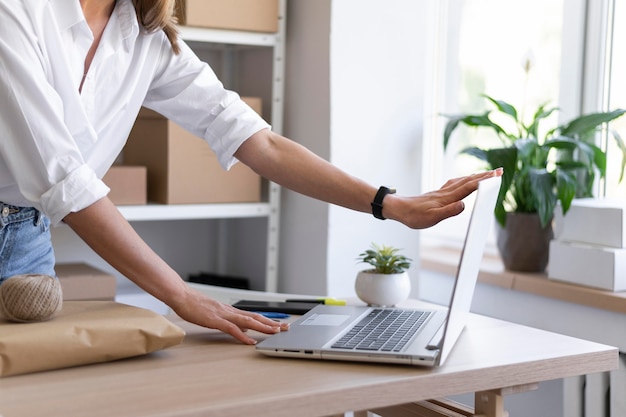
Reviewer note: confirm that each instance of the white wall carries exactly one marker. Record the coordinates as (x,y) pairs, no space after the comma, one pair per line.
(354,95)
(303,237)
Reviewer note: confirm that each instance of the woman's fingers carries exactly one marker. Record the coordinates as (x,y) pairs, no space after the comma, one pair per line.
(213,314)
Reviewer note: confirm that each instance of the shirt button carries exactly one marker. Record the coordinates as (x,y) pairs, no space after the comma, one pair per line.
(5,211)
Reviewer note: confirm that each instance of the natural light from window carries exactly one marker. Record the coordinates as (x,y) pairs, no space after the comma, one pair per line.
(486,54)
(617,99)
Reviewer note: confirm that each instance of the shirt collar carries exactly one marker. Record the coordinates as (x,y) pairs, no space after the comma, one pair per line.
(67,13)
(127,18)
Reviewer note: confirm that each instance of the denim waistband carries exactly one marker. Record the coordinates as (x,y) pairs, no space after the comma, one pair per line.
(12,214)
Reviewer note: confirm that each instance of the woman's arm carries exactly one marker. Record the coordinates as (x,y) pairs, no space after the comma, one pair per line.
(108,233)
(281,160)
(295,167)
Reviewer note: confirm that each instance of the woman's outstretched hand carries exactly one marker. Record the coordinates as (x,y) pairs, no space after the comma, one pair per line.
(207,312)
(428,209)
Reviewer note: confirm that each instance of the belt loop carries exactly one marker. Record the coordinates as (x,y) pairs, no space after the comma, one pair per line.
(38,217)
(2,218)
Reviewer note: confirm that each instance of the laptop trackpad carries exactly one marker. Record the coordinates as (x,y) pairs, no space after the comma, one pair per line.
(325,320)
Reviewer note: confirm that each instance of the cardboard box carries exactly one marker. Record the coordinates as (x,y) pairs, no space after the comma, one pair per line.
(256,103)
(128,184)
(594,221)
(80,281)
(182,169)
(247,15)
(592,266)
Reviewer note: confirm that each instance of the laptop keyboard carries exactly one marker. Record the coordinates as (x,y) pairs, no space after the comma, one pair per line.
(386,330)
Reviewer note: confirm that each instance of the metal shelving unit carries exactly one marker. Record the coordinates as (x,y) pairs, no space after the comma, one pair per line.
(155,212)
(226,40)
(229,37)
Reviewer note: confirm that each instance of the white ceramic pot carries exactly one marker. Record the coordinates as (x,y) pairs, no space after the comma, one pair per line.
(382,289)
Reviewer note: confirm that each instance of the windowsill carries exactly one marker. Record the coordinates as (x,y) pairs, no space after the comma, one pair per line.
(444,260)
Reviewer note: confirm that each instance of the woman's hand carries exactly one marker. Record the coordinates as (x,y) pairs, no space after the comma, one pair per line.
(429,209)
(204,311)
(110,235)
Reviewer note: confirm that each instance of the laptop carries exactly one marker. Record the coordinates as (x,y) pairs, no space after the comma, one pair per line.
(415,336)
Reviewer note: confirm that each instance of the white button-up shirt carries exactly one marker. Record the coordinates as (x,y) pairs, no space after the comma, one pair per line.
(56,142)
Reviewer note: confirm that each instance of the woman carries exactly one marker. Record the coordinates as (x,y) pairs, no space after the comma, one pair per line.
(73,76)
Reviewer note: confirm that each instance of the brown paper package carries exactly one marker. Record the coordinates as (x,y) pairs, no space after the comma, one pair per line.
(84,332)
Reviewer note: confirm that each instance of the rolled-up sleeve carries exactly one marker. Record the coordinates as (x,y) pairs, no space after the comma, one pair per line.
(187,91)
(84,187)
(41,163)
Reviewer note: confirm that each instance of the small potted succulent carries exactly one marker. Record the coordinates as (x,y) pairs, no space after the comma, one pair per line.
(387,283)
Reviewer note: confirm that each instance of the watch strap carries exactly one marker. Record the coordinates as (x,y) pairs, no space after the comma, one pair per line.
(377,204)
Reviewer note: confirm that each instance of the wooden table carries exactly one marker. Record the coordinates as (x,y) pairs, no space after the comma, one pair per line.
(574,310)
(212,375)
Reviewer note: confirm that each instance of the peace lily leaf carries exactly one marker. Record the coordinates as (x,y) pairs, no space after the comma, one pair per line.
(507,159)
(526,147)
(539,115)
(591,152)
(589,122)
(599,157)
(542,183)
(566,185)
(471,120)
(562,142)
(571,165)
(503,106)
(450,127)
(476,152)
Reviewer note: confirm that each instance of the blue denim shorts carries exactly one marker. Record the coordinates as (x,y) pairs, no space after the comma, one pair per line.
(25,243)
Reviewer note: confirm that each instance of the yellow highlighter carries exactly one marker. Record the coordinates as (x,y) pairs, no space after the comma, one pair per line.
(320,300)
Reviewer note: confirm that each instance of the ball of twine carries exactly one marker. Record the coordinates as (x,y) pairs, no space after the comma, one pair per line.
(30,298)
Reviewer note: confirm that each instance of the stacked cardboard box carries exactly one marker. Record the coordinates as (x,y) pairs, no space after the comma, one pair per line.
(590,245)
(128,184)
(246,15)
(182,169)
(80,281)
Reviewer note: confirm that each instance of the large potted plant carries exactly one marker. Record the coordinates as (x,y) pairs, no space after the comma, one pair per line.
(386,282)
(541,171)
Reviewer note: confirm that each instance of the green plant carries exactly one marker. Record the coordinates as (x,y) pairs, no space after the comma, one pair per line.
(538,172)
(385,259)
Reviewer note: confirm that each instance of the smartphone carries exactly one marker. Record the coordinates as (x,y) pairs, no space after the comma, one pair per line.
(287,307)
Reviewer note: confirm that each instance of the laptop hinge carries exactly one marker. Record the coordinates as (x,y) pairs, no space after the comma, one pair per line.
(437,340)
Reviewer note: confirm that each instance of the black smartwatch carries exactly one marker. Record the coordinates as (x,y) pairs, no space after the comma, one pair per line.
(377,204)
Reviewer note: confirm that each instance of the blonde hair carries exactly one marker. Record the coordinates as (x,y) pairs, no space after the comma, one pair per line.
(156,15)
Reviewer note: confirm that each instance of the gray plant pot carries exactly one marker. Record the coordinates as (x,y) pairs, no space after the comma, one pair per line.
(523,243)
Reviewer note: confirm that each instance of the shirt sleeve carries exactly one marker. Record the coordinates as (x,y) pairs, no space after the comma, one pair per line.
(38,147)
(187,91)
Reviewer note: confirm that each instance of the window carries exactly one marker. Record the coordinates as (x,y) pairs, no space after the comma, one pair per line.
(482,47)
(615,87)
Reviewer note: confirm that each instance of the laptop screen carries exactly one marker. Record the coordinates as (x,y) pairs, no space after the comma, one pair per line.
(469,264)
